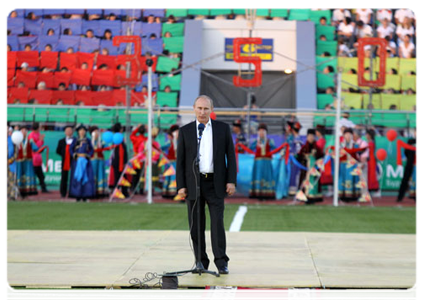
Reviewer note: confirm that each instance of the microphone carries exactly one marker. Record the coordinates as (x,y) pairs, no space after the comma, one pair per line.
(200,130)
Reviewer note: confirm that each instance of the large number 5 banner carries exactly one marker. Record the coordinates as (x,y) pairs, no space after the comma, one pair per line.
(255,60)
(134,59)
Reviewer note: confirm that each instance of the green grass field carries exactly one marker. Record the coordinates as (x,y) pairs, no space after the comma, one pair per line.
(183,292)
(123,216)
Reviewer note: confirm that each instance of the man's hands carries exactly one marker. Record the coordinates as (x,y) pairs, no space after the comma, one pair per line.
(230,189)
(182,193)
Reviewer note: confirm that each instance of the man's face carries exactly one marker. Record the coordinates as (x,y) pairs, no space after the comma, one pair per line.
(69,131)
(262,133)
(202,109)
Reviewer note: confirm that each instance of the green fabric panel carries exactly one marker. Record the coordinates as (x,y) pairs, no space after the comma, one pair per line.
(166,64)
(60,115)
(169,99)
(328,31)
(174,82)
(139,116)
(388,99)
(325,81)
(407,65)
(323,99)
(394,120)
(15,114)
(392,63)
(348,78)
(177,12)
(375,101)
(176,29)
(220,11)
(199,11)
(352,100)
(348,63)
(392,81)
(322,62)
(315,16)
(407,102)
(41,114)
(167,120)
(408,82)
(324,120)
(262,12)
(238,11)
(282,13)
(104,117)
(83,115)
(412,118)
(299,14)
(327,46)
(174,44)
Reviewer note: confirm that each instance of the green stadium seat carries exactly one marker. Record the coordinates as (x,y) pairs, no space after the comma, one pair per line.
(392,63)
(315,16)
(174,44)
(299,14)
(222,11)
(408,82)
(378,119)
(327,31)
(325,80)
(353,100)
(175,29)
(323,62)
(139,116)
(177,13)
(41,114)
(375,101)
(83,115)
(238,11)
(199,12)
(105,118)
(324,120)
(167,119)
(29,114)
(173,81)
(389,99)
(392,82)
(166,64)
(348,63)
(407,65)
(15,114)
(281,13)
(349,81)
(323,100)
(169,99)
(327,46)
(260,12)
(408,102)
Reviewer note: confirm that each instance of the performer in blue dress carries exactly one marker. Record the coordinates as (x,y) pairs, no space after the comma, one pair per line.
(97,162)
(25,174)
(295,143)
(11,166)
(82,184)
(262,181)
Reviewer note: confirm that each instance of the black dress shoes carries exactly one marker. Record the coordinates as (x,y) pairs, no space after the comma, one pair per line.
(224,270)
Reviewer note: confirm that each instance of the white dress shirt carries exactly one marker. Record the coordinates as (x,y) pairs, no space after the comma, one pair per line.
(206,148)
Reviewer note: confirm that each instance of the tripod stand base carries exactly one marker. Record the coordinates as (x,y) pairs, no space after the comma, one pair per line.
(199,269)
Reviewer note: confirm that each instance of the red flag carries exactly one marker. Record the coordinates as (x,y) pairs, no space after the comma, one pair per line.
(108,60)
(119,96)
(61,77)
(30,57)
(84,96)
(105,98)
(18,93)
(103,77)
(28,78)
(10,77)
(68,97)
(42,97)
(49,59)
(47,78)
(11,59)
(84,57)
(81,77)
(68,60)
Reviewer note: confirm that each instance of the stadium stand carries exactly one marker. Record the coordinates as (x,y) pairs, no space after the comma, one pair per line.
(52,45)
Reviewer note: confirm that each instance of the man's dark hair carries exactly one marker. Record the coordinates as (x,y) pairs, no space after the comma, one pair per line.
(323,18)
(66,31)
(331,69)
(360,23)
(348,20)
(35,126)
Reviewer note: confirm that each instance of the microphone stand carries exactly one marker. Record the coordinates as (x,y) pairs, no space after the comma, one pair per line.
(199,267)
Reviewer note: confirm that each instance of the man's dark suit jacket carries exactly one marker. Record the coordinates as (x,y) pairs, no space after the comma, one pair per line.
(224,161)
(61,149)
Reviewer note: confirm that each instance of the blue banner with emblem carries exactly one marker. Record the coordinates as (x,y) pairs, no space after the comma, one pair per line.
(264,50)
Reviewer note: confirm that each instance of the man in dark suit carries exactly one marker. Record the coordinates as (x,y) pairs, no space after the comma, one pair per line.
(63,150)
(218,171)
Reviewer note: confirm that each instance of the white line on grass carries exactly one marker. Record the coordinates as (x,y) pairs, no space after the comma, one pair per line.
(100,295)
(368,298)
(238,219)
